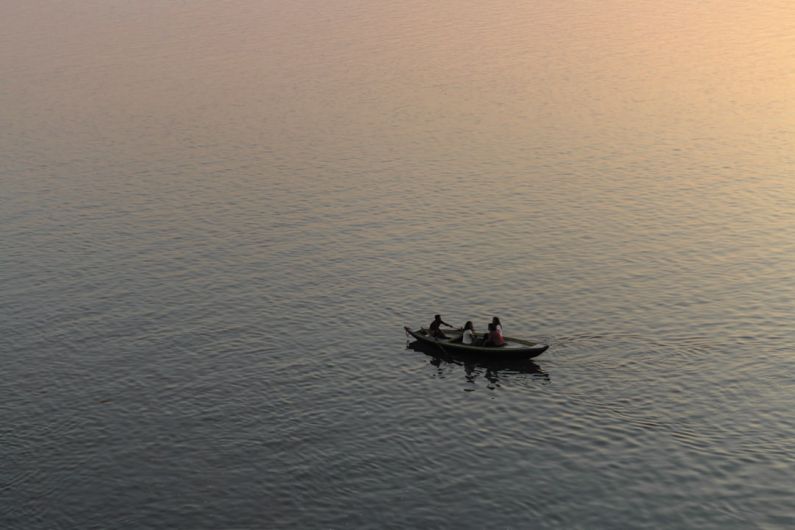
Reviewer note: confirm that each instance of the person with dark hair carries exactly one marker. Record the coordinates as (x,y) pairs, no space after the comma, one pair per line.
(468,337)
(494,337)
(496,322)
(433,329)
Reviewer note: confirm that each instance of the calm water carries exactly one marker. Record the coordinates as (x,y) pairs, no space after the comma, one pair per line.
(216,217)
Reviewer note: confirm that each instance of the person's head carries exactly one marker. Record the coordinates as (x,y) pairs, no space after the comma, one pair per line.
(492,326)
(437,317)
(468,325)
(496,321)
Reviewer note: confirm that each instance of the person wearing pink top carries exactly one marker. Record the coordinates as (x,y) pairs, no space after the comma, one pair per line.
(495,337)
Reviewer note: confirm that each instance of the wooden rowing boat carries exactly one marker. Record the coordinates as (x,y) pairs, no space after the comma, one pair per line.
(512,349)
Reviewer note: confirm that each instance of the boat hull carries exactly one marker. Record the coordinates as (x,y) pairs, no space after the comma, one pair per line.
(513,348)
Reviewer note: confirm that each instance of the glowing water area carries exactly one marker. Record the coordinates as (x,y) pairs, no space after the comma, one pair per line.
(216,217)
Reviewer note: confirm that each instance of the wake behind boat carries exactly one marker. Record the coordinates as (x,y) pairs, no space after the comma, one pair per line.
(512,349)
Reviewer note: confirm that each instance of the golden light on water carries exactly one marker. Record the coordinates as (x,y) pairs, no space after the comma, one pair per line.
(216,217)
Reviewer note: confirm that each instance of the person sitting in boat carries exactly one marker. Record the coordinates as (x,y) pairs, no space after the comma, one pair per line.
(468,337)
(494,337)
(497,323)
(433,329)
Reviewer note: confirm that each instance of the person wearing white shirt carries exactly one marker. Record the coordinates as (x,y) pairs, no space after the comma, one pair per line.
(469,333)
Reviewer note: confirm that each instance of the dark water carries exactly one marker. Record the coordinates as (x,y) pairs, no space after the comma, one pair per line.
(215,219)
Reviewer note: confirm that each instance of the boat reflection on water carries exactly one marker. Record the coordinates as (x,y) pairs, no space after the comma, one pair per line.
(491,369)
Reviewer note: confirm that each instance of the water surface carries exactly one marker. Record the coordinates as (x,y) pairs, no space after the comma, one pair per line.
(216,218)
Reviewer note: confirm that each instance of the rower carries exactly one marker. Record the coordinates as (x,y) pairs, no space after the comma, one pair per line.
(433,329)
